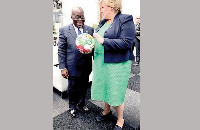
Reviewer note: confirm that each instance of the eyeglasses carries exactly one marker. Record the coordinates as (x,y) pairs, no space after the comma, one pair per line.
(79,17)
(137,18)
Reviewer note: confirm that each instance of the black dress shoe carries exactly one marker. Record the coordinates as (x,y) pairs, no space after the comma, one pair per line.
(72,112)
(102,117)
(83,109)
(117,127)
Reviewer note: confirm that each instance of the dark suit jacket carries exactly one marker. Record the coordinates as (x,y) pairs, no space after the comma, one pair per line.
(69,56)
(137,28)
(137,34)
(118,39)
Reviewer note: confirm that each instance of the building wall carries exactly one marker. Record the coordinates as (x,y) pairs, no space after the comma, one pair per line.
(131,7)
(91,9)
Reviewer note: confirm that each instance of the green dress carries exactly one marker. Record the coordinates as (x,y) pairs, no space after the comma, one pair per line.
(110,80)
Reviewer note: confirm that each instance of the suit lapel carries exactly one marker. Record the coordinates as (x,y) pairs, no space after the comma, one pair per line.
(85,29)
(72,31)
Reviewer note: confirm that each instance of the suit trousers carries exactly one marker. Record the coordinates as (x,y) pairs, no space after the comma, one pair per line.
(136,43)
(77,90)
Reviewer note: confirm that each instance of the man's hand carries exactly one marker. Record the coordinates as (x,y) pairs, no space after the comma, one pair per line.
(84,52)
(98,37)
(64,73)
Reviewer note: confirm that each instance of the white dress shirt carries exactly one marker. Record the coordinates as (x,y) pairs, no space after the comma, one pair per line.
(76,29)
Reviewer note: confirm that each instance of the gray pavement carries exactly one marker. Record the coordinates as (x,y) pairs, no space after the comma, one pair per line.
(63,121)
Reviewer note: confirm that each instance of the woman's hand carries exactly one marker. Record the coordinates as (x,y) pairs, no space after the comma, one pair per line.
(98,37)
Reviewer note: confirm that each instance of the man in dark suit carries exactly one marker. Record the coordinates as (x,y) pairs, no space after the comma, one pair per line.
(137,39)
(74,65)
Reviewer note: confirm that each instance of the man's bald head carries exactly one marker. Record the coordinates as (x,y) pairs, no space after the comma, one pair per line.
(78,17)
(77,10)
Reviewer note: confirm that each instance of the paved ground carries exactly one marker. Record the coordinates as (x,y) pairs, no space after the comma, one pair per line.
(62,120)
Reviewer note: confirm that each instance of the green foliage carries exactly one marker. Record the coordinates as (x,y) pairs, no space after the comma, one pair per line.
(54,30)
(95,26)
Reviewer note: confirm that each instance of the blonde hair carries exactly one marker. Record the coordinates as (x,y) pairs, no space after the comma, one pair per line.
(115,4)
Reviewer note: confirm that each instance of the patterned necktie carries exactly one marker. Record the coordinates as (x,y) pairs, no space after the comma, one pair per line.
(79,31)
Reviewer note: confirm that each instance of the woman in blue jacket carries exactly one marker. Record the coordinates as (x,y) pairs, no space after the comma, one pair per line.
(113,57)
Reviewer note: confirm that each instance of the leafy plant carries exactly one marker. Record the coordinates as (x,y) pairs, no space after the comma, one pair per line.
(54,29)
(95,26)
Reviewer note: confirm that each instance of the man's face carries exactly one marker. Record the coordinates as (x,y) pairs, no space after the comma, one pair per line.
(137,19)
(78,18)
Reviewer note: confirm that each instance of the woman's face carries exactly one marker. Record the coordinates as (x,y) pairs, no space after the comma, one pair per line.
(105,10)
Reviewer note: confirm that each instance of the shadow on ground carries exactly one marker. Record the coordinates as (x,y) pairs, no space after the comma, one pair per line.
(84,121)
